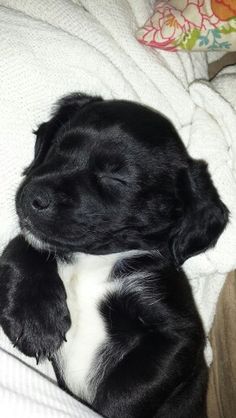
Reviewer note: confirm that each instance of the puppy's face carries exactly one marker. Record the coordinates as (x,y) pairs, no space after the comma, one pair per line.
(110,176)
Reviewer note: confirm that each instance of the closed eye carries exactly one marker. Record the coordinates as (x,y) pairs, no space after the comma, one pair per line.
(113,178)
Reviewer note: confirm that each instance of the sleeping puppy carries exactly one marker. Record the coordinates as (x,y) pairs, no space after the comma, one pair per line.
(110,208)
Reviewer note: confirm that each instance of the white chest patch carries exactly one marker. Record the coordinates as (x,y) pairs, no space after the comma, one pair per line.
(86,283)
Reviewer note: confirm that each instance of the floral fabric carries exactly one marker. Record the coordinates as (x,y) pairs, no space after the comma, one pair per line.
(199,25)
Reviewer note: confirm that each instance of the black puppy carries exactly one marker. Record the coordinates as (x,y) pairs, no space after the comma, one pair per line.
(116,200)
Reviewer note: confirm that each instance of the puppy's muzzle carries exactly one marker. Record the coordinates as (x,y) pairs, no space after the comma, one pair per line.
(34,201)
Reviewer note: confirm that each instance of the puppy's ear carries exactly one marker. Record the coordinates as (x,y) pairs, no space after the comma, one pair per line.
(46,133)
(204,216)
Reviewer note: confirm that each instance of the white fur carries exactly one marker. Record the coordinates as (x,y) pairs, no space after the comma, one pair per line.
(34,241)
(86,283)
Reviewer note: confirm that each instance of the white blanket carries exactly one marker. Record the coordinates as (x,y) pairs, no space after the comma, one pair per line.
(50,48)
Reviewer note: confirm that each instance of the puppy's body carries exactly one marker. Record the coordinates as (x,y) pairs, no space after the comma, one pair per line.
(113,190)
(132,345)
(135,345)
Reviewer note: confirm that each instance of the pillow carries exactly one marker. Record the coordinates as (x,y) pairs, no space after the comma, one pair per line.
(198,25)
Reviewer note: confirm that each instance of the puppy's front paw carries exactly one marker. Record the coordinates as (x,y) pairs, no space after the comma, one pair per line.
(37,324)
(33,309)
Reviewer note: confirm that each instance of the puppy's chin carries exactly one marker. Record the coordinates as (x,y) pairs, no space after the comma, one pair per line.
(34,241)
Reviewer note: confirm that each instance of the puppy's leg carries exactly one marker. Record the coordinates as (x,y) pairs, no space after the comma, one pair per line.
(33,309)
(156,345)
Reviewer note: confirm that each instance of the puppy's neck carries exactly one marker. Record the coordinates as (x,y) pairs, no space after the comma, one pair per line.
(91,264)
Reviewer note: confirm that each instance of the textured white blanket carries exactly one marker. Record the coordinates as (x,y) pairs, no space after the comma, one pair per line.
(50,48)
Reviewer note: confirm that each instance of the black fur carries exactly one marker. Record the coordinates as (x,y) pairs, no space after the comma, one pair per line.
(112,176)
(154,360)
(33,310)
(116,168)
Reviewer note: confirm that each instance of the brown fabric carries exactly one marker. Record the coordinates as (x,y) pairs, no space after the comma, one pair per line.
(221,397)
(216,66)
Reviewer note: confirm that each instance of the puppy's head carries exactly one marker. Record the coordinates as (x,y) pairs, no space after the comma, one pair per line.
(111,176)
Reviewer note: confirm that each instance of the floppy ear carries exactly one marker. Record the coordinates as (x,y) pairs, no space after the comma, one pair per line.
(46,133)
(204,216)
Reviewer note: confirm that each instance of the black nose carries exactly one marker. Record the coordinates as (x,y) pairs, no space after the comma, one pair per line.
(41,200)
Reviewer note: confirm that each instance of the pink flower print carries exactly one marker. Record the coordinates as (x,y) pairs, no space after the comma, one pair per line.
(168,24)
(192,14)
